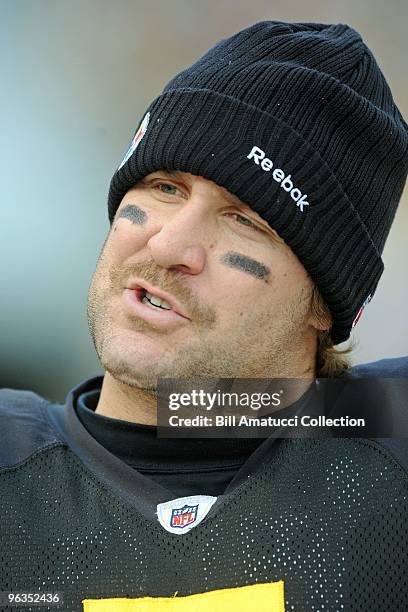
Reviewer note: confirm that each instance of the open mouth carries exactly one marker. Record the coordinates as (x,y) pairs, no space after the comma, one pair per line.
(147,298)
(157,311)
(152,304)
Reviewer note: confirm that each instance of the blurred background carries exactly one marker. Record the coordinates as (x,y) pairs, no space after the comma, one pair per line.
(76,79)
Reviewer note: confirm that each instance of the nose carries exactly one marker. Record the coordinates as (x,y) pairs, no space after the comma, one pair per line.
(181,239)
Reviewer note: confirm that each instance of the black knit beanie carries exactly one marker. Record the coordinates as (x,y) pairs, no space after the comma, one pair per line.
(298,121)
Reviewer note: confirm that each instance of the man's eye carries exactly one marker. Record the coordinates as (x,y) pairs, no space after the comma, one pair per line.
(245,221)
(167,188)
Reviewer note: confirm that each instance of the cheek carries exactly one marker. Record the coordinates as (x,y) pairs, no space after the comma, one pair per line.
(291,292)
(241,294)
(238,295)
(124,240)
(295,276)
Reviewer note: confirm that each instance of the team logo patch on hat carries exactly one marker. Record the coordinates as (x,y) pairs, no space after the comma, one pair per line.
(360,312)
(136,139)
(182,514)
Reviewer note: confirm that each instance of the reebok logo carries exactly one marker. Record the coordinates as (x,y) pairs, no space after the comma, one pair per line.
(278,175)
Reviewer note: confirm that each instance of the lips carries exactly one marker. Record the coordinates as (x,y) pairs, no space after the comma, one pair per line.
(140,286)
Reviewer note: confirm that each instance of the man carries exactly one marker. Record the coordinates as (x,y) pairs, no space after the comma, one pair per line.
(248,219)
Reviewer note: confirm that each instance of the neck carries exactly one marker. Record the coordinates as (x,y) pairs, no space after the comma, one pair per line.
(121,401)
(135,405)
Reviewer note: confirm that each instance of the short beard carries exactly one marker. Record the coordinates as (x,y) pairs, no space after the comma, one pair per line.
(266,345)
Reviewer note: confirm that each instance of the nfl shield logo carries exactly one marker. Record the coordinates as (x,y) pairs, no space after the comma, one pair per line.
(184,513)
(181,517)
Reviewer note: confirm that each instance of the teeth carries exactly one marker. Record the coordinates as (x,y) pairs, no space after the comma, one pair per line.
(156,301)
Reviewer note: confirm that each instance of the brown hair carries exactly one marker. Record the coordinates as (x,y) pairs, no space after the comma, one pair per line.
(331,362)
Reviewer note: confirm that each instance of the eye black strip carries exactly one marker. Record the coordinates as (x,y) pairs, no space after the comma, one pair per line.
(133,213)
(246,264)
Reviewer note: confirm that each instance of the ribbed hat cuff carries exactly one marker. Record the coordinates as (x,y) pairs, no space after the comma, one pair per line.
(213,135)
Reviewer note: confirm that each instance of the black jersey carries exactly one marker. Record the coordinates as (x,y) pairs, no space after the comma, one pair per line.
(304,525)
(189,466)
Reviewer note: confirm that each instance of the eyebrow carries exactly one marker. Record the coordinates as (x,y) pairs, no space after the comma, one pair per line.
(171,172)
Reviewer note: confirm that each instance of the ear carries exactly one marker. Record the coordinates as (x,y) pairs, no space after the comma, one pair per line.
(318,324)
(319,317)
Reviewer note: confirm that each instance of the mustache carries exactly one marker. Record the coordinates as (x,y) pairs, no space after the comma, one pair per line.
(172,281)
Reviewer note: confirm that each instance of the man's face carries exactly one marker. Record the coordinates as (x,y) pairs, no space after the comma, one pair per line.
(240,297)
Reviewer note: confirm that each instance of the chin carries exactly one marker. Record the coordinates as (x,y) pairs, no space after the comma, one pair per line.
(130,374)
(137,366)
(134,380)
